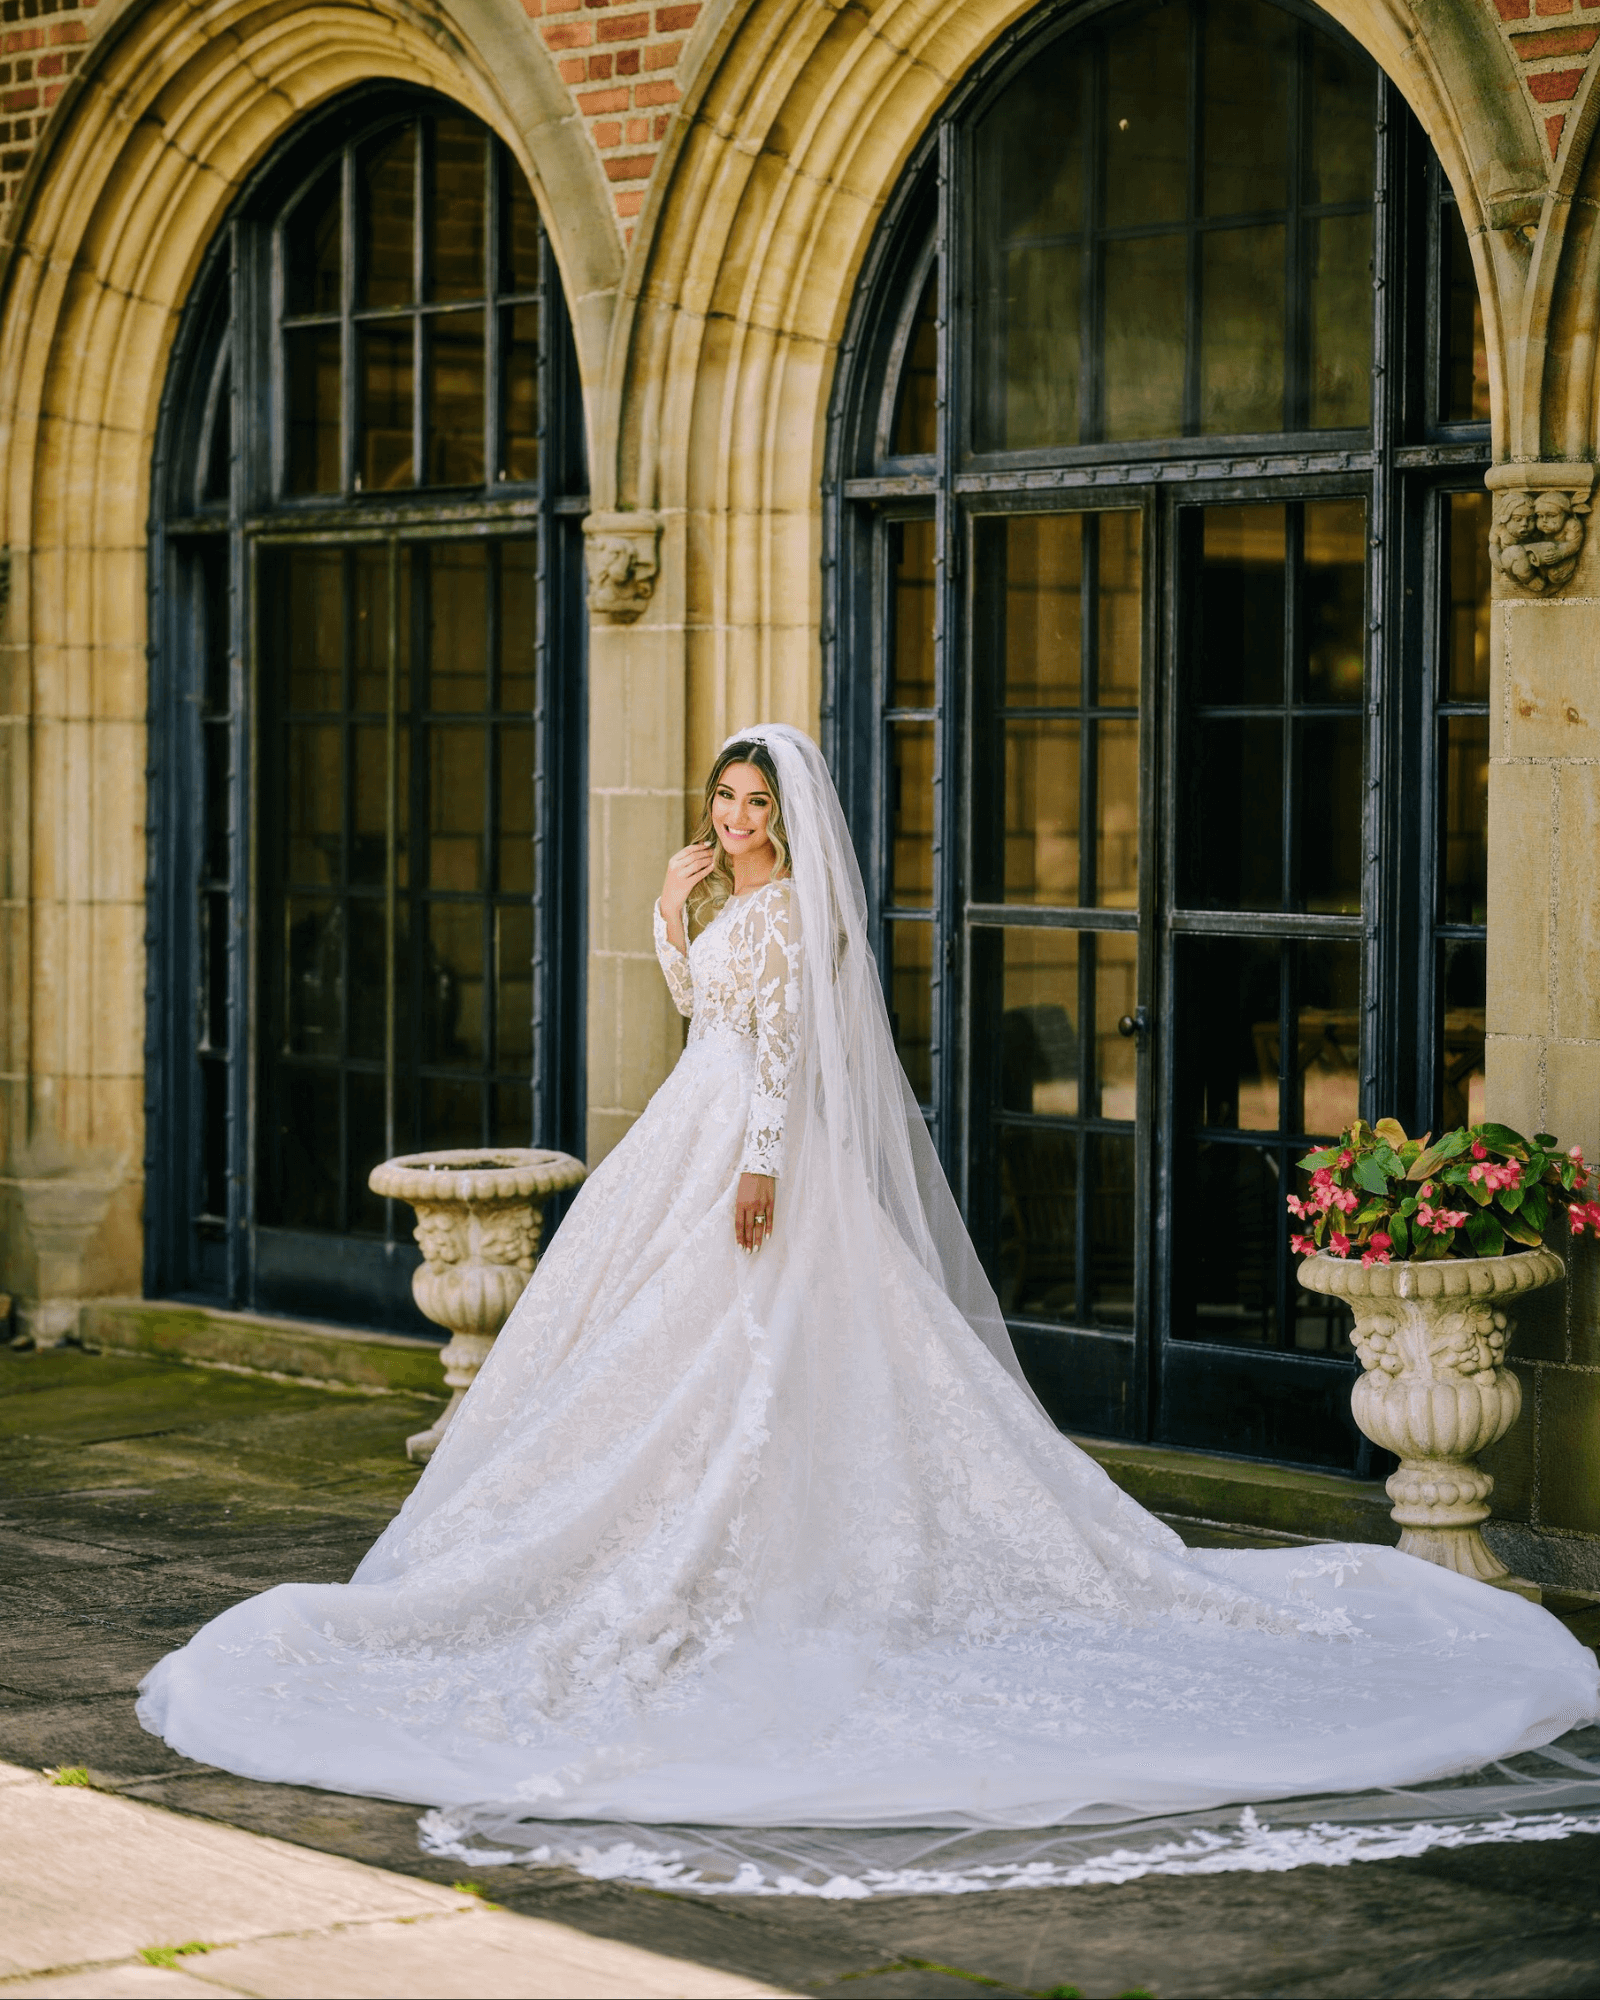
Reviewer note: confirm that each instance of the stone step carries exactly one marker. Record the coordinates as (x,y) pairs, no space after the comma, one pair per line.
(1239,1498)
(339,1357)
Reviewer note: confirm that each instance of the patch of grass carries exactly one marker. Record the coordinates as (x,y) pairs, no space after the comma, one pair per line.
(69,1774)
(474,1889)
(168,1954)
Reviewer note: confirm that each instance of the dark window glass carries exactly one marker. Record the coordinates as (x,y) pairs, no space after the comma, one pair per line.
(1465,387)
(311,380)
(313,262)
(1274,800)
(1164,253)
(386,269)
(916,418)
(422,402)
(456,237)
(409,972)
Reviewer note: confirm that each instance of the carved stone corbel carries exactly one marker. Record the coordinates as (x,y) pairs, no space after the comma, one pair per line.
(621,554)
(1537,534)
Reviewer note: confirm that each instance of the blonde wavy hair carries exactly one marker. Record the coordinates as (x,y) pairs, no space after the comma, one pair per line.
(707,897)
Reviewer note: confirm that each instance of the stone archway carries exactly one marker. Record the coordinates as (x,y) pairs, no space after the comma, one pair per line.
(159,131)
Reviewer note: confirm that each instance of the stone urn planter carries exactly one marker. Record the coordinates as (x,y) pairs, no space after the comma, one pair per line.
(1434,1389)
(479,1214)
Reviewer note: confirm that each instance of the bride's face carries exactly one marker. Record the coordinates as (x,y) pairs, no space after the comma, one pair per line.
(740,809)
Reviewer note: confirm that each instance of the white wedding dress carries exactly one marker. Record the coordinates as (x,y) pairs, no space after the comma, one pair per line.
(784,1539)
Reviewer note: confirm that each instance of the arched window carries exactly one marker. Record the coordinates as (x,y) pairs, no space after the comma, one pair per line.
(1157,680)
(368,709)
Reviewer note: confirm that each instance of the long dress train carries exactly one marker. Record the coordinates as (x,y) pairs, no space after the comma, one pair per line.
(774,1539)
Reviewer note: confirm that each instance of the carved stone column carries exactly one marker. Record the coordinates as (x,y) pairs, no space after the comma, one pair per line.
(622,555)
(1435,1391)
(478,1220)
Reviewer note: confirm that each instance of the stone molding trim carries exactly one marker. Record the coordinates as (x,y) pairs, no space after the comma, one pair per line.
(621,553)
(1537,535)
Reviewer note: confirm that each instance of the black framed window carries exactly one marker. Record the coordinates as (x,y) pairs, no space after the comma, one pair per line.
(1154,680)
(366,573)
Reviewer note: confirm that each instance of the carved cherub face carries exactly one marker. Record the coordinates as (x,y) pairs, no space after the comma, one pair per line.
(1550,512)
(1517,518)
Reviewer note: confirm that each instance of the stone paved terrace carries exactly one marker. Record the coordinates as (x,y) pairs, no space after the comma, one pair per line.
(140,1497)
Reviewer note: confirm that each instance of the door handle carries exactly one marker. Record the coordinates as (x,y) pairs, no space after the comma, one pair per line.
(1136,1024)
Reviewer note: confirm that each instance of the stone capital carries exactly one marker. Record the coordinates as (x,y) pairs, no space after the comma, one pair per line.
(1540,509)
(621,553)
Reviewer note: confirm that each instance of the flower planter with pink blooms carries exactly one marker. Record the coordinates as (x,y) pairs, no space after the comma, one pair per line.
(1428,1242)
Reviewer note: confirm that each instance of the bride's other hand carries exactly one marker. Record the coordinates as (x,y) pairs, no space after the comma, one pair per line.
(755,1210)
(688,866)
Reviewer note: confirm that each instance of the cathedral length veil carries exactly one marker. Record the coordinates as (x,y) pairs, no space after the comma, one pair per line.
(772,1541)
(858,1147)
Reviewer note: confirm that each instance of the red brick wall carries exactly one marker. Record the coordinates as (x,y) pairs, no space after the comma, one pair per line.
(41,44)
(617,57)
(1552,41)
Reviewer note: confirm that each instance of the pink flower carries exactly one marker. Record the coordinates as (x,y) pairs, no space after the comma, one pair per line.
(1369,1257)
(1584,1214)
(1507,1176)
(1338,1246)
(1346,1159)
(1479,1150)
(1302,1246)
(1380,1241)
(1439,1220)
(1346,1200)
(1575,1153)
(1297,1207)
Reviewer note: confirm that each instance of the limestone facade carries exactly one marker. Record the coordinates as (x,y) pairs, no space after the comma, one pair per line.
(711,177)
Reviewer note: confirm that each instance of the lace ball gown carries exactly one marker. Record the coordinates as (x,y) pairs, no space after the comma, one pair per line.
(774,1539)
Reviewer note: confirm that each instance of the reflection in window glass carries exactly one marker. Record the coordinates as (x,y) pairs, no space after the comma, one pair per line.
(311,379)
(1461,979)
(915,431)
(1177,218)
(911,551)
(456,209)
(911,1002)
(1039,1053)
(455,399)
(1466,595)
(386,267)
(1042,812)
(313,264)
(1043,556)
(910,885)
(1465,387)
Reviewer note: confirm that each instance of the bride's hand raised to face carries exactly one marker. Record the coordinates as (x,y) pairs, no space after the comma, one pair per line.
(688,866)
(754,1210)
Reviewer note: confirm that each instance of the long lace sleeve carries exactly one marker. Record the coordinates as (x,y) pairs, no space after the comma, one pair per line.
(775,948)
(674,966)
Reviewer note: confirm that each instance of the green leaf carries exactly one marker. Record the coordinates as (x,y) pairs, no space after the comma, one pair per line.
(1454,1144)
(1370,1175)
(1488,1238)
(1480,1194)
(1399,1235)
(1511,1199)
(1371,1215)
(1325,1158)
(1536,1208)
(1390,1161)
(1504,1140)
(1425,1165)
(1524,1232)
(1548,1140)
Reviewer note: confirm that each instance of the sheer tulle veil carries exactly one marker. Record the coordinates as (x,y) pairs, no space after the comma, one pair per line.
(858,1146)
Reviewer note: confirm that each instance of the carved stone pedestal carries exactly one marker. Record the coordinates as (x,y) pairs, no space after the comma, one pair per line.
(479,1215)
(1434,1390)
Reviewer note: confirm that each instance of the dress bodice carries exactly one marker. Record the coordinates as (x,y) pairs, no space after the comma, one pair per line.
(741,979)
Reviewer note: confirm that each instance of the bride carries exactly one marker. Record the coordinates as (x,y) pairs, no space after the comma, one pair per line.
(751,1518)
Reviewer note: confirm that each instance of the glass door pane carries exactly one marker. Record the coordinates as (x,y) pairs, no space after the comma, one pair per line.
(1054,944)
(1265,957)
(396,837)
